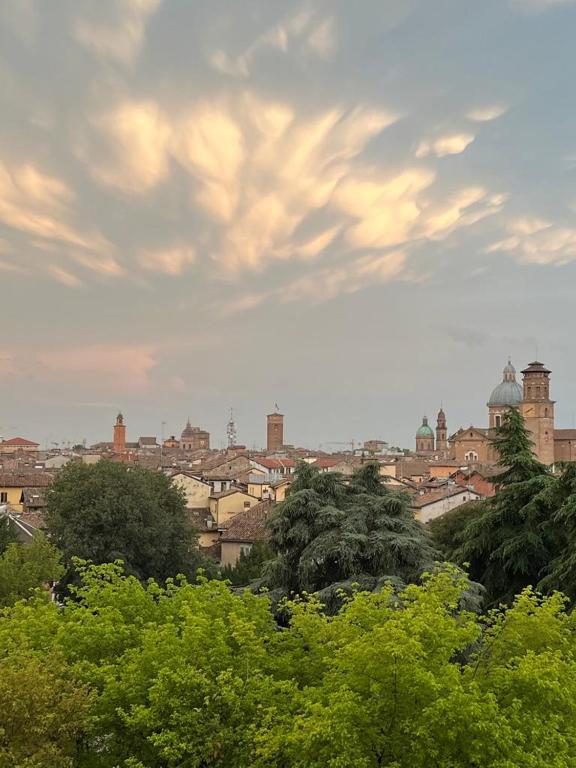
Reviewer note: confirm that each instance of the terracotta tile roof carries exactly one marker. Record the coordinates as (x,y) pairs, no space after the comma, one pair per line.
(249,525)
(326,463)
(201,519)
(229,492)
(445,493)
(33,497)
(25,480)
(18,441)
(276,463)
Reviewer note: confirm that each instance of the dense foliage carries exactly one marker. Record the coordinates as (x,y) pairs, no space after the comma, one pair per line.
(25,568)
(513,538)
(249,565)
(108,512)
(138,676)
(7,535)
(331,533)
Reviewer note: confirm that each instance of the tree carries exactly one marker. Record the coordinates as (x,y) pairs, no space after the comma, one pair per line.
(7,535)
(447,531)
(511,540)
(249,565)
(197,675)
(561,570)
(43,712)
(26,567)
(331,533)
(107,512)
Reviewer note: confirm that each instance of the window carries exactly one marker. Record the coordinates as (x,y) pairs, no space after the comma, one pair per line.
(528,392)
(471,456)
(545,411)
(4,497)
(246,505)
(498,420)
(537,391)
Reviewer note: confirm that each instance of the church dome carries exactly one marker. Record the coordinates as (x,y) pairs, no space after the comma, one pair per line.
(425,430)
(508,392)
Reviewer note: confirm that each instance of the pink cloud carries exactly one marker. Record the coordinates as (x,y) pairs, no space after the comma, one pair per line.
(119,366)
(111,367)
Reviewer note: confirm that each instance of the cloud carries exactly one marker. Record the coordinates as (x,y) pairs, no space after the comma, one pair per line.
(38,204)
(40,209)
(538,241)
(65,277)
(115,367)
(114,30)
(270,183)
(170,262)
(134,157)
(257,169)
(452,144)
(325,284)
(303,32)
(124,366)
(486,113)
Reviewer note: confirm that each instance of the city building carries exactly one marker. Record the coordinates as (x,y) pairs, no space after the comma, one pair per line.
(194,439)
(429,506)
(425,438)
(119,442)
(532,398)
(274,431)
(17,445)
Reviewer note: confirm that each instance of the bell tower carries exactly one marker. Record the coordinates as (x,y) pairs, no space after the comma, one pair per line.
(274,431)
(538,410)
(441,432)
(119,435)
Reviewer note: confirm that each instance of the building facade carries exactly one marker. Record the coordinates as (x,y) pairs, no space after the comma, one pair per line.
(194,439)
(532,399)
(274,432)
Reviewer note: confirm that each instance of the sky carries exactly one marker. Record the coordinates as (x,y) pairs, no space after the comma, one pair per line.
(357,211)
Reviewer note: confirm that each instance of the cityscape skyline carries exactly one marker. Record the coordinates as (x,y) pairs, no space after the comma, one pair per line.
(358,215)
(220,435)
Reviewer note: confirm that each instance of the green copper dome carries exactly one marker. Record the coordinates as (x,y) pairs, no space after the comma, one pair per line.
(425,430)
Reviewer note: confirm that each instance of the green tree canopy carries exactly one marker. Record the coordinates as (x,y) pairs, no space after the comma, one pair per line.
(26,567)
(107,512)
(249,565)
(511,540)
(132,675)
(7,535)
(331,532)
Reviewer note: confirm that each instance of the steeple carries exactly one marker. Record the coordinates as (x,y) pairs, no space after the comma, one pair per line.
(441,432)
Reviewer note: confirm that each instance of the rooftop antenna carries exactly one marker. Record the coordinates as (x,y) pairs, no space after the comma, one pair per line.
(231,432)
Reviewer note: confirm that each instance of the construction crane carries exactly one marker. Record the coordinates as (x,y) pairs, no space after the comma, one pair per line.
(350,444)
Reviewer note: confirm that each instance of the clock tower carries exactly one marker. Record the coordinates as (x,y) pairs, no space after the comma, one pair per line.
(538,410)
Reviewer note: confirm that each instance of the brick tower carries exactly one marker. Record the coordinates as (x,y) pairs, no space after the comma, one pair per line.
(538,410)
(274,431)
(119,435)
(441,432)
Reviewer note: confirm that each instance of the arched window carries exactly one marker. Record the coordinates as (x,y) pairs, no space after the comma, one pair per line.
(471,456)
(528,392)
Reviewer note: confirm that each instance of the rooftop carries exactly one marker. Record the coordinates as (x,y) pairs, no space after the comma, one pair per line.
(249,525)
